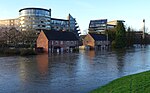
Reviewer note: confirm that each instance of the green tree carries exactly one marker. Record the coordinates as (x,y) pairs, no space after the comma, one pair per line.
(111,33)
(130,37)
(120,38)
(28,38)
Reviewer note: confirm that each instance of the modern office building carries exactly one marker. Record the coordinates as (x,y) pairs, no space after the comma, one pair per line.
(34,18)
(68,24)
(39,18)
(73,25)
(102,25)
(59,24)
(114,22)
(98,25)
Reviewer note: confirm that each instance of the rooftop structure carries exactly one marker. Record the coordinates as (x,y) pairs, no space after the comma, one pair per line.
(102,24)
(98,25)
(34,18)
(60,35)
(114,22)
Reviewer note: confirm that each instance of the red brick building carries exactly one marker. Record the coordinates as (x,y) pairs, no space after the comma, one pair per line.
(92,41)
(57,41)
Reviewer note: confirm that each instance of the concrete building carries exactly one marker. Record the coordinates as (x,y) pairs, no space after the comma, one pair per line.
(102,24)
(114,22)
(39,18)
(98,25)
(9,23)
(34,18)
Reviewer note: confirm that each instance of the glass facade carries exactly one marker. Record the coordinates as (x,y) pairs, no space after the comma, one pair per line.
(34,12)
(98,25)
(38,19)
(73,25)
(59,24)
(35,18)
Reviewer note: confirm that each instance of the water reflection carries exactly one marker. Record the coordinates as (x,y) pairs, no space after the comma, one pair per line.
(42,64)
(27,69)
(69,73)
(120,61)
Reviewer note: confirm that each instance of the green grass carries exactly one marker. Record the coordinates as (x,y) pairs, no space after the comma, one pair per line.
(137,83)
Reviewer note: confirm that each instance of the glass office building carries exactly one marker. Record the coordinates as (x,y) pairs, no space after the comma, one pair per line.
(73,26)
(98,25)
(59,24)
(34,18)
(38,18)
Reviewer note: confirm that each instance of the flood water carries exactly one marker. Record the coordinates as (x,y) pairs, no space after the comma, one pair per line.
(70,73)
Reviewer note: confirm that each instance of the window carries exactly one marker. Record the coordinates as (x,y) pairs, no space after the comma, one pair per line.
(61,42)
(43,25)
(56,42)
(52,42)
(42,21)
(72,42)
(67,42)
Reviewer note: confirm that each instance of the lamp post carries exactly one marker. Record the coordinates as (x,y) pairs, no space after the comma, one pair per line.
(143,36)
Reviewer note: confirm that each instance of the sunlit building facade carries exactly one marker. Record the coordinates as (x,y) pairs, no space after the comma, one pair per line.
(98,25)
(102,24)
(39,18)
(34,18)
(9,23)
(59,24)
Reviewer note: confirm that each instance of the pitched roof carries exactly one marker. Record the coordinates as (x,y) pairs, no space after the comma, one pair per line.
(60,35)
(82,36)
(99,37)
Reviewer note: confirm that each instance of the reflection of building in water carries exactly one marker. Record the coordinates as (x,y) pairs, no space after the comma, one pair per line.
(25,68)
(91,54)
(42,64)
(31,69)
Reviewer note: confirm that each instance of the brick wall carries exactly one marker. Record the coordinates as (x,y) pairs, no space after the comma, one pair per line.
(42,41)
(89,41)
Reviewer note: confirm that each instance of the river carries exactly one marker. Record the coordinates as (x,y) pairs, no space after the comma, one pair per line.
(71,72)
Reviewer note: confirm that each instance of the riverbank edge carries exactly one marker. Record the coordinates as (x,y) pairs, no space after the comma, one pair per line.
(135,83)
(17,52)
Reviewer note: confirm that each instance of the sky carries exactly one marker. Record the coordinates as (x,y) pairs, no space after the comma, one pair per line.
(132,11)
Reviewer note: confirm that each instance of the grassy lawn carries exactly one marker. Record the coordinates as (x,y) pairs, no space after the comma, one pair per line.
(137,83)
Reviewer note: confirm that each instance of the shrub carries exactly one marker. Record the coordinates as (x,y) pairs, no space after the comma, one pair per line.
(113,44)
(11,52)
(25,52)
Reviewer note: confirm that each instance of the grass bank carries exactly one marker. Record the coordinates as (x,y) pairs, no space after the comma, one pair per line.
(136,83)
